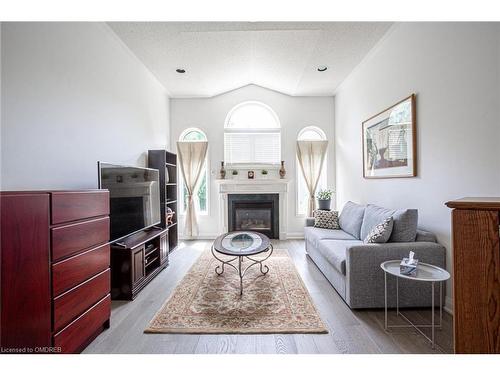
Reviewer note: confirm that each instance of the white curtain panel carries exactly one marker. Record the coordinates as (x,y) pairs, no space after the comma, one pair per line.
(192,156)
(311,155)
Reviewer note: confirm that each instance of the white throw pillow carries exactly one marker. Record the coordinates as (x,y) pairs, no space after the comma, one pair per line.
(381,232)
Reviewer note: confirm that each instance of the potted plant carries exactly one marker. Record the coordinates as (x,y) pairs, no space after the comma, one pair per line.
(264,173)
(324,198)
(234,173)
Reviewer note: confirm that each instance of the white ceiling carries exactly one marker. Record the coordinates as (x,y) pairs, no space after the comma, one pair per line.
(222,56)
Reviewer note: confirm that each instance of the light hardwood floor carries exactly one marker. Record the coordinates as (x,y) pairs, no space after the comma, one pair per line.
(350,331)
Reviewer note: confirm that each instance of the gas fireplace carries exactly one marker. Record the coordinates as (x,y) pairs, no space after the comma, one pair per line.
(254,212)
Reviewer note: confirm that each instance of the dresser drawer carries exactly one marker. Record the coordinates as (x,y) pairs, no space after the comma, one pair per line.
(70,239)
(72,205)
(75,270)
(71,338)
(75,301)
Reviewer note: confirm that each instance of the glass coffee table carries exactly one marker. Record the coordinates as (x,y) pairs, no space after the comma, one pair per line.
(240,246)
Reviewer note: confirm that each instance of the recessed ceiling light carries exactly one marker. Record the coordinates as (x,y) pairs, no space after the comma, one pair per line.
(180,70)
(322,68)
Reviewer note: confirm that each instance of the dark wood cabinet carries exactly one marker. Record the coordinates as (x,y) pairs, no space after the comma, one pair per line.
(137,264)
(25,276)
(54,269)
(164,248)
(136,260)
(476,274)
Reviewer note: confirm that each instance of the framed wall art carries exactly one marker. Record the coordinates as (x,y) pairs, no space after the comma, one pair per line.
(390,142)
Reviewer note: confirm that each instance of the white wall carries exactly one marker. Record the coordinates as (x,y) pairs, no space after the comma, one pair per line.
(294,113)
(454,70)
(72,94)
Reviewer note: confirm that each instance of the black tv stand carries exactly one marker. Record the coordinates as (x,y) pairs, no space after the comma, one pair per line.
(136,260)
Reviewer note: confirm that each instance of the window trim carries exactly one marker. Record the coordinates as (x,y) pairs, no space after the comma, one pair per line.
(298,174)
(180,192)
(247,102)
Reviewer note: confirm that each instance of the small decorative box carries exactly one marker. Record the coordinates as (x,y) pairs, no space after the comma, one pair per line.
(408,266)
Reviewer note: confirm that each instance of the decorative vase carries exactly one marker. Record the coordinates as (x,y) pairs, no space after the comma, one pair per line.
(222,172)
(324,204)
(282,169)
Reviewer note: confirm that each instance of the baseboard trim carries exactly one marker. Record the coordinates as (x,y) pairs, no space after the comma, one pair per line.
(295,236)
(448,305)
(213,236)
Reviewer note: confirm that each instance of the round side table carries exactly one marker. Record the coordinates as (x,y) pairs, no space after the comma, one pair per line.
(425,273)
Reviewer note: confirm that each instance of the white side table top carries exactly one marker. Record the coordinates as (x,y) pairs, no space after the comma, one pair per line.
(425,272)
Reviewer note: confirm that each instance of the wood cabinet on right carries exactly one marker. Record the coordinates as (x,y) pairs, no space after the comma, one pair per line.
(476,274)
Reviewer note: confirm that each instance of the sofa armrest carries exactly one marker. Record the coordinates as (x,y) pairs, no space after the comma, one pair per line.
(365,278)
(309,222)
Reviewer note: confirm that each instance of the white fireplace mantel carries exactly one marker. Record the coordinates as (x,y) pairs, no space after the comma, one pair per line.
(257,186)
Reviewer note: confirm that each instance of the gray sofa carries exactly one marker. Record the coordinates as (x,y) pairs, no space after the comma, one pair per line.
(353,267)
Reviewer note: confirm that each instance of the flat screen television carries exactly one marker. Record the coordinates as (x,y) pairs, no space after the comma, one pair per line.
(134,195)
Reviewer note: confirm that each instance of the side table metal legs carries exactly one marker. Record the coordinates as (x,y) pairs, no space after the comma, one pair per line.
(433,326)
(264,269)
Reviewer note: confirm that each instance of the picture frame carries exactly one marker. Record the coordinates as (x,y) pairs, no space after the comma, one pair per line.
(389,142)
(251,175)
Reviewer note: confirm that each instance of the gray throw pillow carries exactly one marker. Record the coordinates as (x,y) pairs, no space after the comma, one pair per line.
(405,226)
(326,219)
(405,222)
(381,232)
(351,218)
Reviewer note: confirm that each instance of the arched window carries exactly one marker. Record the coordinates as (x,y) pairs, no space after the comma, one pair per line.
(252,135)
(193,135)
(309,133)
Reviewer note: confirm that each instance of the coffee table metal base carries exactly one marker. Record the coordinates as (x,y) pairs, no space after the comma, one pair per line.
(264,269)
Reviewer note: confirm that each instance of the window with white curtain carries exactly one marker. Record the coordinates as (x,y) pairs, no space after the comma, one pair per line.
(201,198)
(309,133)
(252,135)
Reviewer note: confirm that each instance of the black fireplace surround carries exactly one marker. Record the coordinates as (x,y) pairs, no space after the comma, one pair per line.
(255,212)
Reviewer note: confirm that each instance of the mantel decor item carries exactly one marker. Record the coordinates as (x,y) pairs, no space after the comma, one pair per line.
(282,169)
(324,198)
(390,142)
(234,173)
(251,175)
(222,172)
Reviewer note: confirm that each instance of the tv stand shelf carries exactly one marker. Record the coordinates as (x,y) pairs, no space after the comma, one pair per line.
(136,260)
(166,163)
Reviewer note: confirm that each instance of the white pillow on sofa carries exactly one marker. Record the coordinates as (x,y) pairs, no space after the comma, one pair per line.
(381,232)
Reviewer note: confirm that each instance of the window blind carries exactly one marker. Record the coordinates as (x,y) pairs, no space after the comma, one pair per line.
(252,148)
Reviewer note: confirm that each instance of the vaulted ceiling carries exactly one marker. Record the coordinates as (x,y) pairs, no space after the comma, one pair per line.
(222,56)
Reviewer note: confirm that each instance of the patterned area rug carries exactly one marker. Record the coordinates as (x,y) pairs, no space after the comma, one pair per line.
(204,302)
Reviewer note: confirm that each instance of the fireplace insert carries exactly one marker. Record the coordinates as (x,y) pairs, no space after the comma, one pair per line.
(254,212)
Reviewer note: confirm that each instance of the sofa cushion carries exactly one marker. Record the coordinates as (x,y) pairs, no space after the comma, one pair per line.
(351,218)
(405,222)
(381,232)
(334,252)
(373,215)
(313,235)
(405,226)
(326,219)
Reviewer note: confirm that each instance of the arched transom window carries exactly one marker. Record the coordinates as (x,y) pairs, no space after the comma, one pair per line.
(309,133)
(252,135)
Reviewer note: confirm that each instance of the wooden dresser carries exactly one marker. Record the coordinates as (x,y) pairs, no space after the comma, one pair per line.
(55,276)
(476,274)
